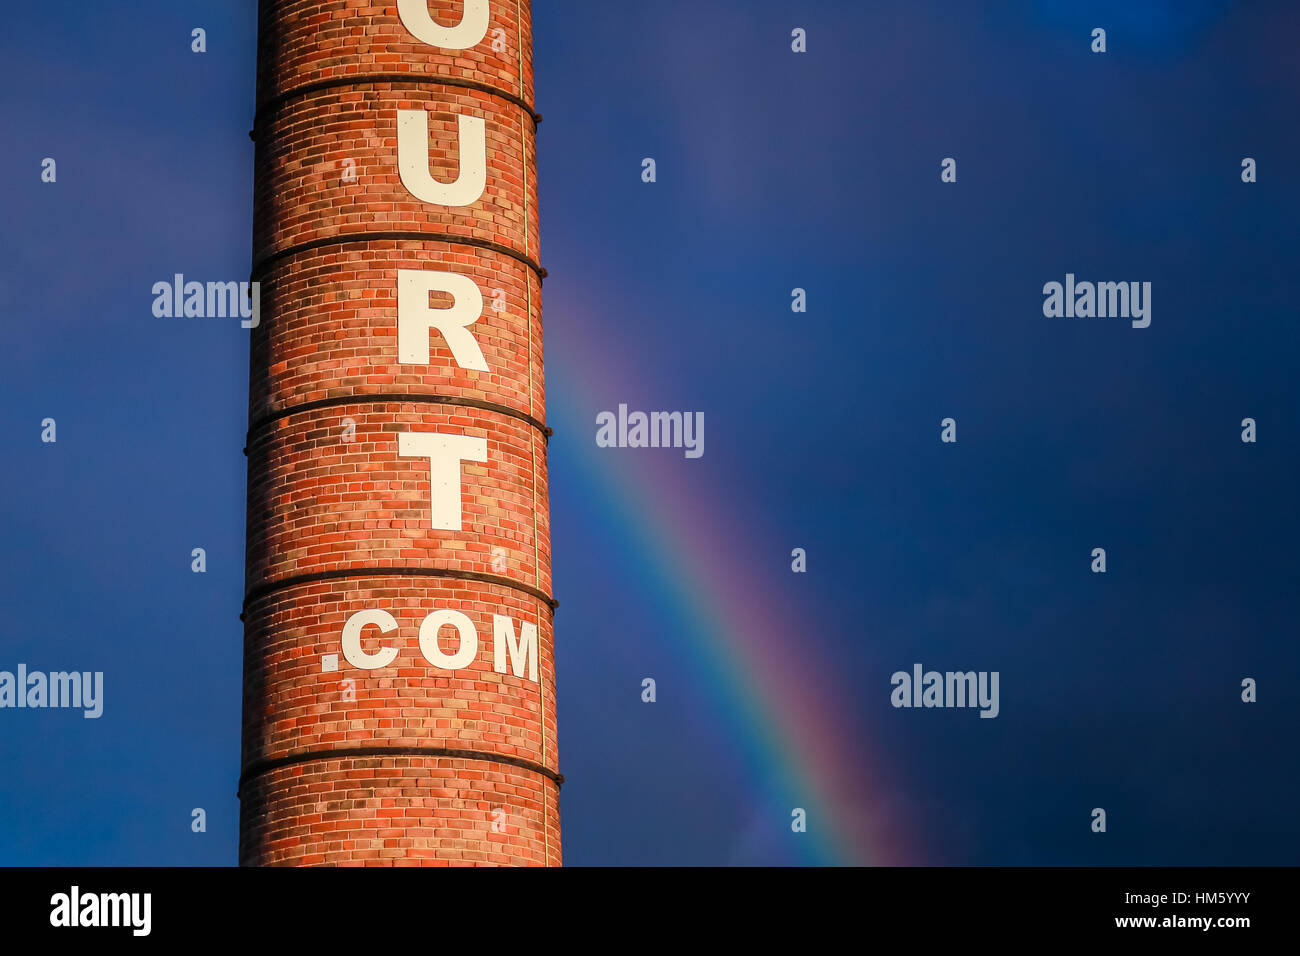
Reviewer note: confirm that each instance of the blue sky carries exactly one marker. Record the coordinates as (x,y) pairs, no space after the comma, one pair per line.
(775,171)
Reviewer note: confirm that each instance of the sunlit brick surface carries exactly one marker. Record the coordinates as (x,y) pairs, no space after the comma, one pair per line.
(407,704)
(332,328)
(306,41)
(301,194)
(396,811)
(318,503)
(339,522)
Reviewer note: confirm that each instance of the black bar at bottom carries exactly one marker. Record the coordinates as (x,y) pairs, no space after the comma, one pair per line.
(914,910)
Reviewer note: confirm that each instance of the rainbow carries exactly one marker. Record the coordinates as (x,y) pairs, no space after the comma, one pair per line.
(774,707)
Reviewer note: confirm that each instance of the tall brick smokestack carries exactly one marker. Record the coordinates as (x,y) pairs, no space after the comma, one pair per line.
(399,687)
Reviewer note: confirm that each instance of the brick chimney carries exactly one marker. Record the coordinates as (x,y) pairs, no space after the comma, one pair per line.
(399,683)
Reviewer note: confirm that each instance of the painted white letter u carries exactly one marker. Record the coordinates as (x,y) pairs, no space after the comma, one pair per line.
(471,29)
(413,160)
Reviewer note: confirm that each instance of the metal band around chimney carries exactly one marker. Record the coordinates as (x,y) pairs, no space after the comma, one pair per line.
(271,587)
(369,79)
(352,237)
(266,765)
(397,398)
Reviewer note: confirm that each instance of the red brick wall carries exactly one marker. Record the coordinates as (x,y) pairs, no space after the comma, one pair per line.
(303,41)
(300,193)
(335,309)
(338,521)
